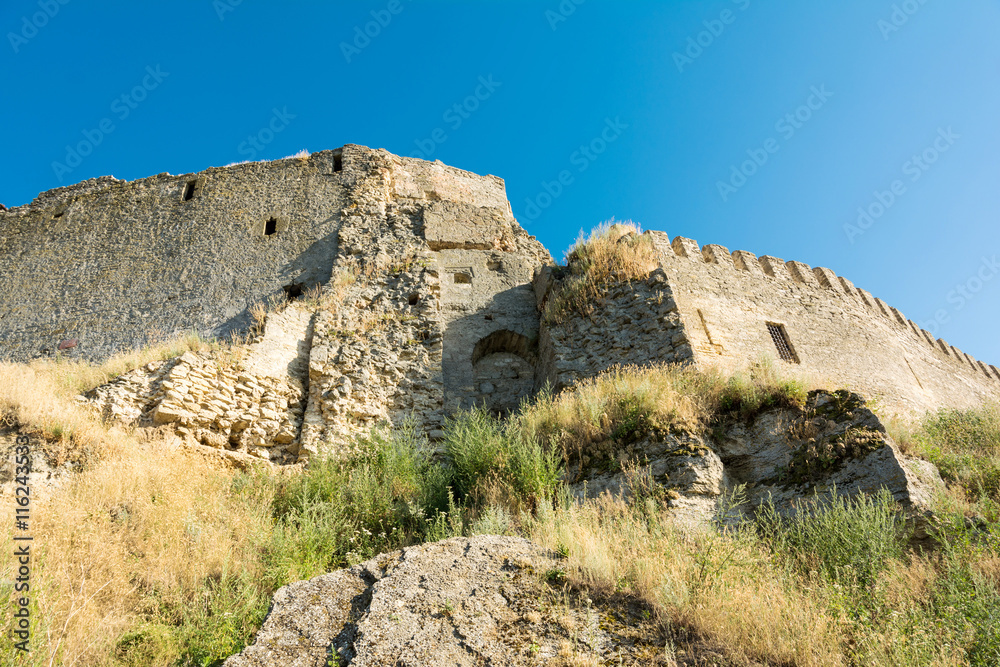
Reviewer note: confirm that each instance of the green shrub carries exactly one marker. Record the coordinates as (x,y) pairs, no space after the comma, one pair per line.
(847,540)
(349,510)
(965,446)
(495,461)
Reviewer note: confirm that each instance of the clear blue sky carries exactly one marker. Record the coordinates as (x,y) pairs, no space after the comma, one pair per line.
(677,116)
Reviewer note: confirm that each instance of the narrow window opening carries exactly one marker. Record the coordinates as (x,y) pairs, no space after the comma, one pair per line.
(414,299)
(189,190)
(338,162)
(293,291)
(59,214)
(782,343)
(270,227)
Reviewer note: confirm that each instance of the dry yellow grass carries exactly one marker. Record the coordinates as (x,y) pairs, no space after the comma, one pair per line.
(147,543)
(614,252)
(141,531)
(719,587)
(636,401)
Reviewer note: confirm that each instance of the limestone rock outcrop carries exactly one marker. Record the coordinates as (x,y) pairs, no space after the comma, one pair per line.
(783,455)
(462,601)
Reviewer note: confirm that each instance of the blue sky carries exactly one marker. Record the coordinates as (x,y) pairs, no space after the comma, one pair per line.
(758,126)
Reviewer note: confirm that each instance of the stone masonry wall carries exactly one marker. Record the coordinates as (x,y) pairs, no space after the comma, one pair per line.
(836,331)
(426,307)
(635,323)
(112,263)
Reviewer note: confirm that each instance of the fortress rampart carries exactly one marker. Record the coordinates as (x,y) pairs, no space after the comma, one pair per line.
(111,264)
(727,309)
(431,302)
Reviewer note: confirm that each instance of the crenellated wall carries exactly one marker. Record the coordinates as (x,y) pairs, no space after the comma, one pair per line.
(835,330)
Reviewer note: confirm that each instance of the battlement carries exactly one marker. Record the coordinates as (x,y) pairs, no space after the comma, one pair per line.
(743,282)
(820,278)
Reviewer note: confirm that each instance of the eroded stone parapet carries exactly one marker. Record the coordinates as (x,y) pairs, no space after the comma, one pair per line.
(717,254)
(866,298)
(774,267)
(884,308)
(747,261)
(899,317)
(661,242)
(801,273)
(687,248)
(828,279)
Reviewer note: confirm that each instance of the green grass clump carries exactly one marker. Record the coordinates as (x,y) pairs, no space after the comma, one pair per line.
(848,541)
(345,511)
(493,459)
(965,446)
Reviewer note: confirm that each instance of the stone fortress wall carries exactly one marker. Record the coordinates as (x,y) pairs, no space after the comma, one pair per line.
(112,263)
(439,294)
(832,328)
(436,311)
(725,310)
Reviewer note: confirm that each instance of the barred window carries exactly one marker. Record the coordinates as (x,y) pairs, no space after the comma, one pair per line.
(781,342)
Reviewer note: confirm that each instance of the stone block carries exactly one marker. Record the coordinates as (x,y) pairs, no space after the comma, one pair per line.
(450,225)
(747,261)
(828,279)
(165,414)
(801,273)
(774,267)
(686,248)
(717,254)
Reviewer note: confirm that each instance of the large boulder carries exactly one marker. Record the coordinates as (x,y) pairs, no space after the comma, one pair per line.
(484,600)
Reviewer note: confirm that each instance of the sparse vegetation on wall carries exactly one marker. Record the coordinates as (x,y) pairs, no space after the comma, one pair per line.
(614,252)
